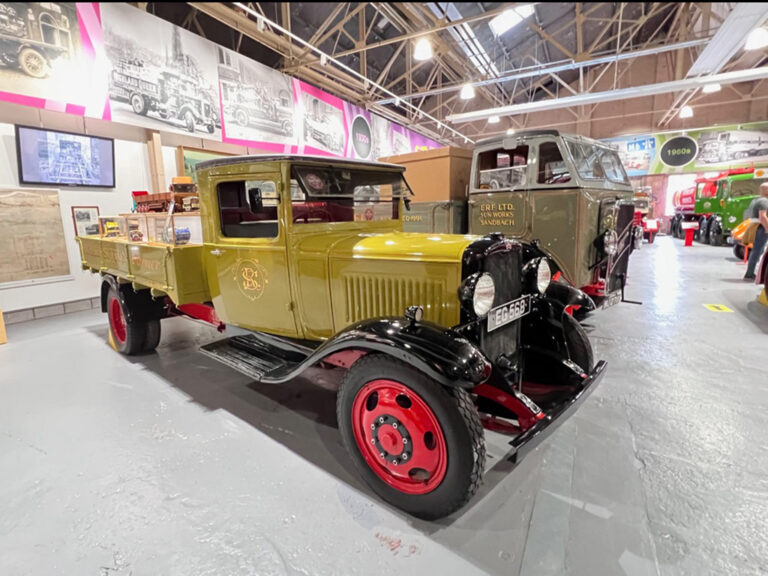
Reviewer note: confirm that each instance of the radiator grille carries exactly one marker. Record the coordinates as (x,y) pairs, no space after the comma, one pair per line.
(618,265)
(505,269)
(371,296)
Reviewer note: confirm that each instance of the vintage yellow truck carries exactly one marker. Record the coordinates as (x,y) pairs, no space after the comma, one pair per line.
(440,335)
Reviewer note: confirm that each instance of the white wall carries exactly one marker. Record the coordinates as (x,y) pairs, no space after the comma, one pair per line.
(132,173)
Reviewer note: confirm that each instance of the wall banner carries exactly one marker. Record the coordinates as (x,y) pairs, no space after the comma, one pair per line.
(116,62)
(705,150)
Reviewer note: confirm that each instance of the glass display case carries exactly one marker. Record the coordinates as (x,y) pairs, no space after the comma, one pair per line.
(177,229)
(112,226)
(137,228)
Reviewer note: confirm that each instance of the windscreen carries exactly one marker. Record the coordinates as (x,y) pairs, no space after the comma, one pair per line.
(340,194)
(597,163)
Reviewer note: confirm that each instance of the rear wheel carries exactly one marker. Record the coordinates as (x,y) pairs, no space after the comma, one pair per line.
(738,251)
(151,335)
(189,121)
(418,445)
(241,117)
(139,104)
(715,234)
(127,337)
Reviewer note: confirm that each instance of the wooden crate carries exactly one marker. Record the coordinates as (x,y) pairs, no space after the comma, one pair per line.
(437,175)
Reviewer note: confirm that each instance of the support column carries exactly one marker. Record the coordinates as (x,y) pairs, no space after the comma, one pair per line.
(156,167)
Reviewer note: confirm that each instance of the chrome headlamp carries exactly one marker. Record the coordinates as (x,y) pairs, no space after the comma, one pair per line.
(610,242)
(477,293)
(538,274)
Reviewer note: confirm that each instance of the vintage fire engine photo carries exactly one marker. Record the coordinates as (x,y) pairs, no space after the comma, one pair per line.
(166,79)
(257,101)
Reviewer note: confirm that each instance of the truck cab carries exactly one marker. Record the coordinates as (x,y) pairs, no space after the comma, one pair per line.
(440,335)
(735,191)
(568,194)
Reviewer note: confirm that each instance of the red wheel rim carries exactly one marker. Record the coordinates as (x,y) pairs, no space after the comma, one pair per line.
(116,320)
(399,436)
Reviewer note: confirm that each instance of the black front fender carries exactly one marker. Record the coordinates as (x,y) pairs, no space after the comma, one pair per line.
(442,354)
(567,295)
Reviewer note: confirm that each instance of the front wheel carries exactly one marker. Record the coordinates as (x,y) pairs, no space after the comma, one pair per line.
(189,121)
(715,235)
(738,251)
(418,445)
(33,63)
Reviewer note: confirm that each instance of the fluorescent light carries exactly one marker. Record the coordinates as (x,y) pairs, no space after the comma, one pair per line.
(510,18)
(510,131)
(493,120)
(757,39)
(423,50)
(711,88)
(467,92)
(686,112)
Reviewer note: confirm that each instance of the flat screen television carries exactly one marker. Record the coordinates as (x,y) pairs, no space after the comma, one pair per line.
(54,158)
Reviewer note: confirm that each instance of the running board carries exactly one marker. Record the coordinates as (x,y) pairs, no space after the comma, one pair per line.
(259,357)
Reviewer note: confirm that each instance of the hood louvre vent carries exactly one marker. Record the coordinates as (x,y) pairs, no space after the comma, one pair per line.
(372,296)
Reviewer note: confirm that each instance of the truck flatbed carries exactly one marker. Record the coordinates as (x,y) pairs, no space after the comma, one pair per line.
(176,271)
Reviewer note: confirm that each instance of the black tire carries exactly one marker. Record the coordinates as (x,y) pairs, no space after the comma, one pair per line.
(457,418)
(579,348)
(677,230)
(139,104)
(32,63)
(151,335)
(715,235)
(241,117)
(703,231)
(210,128)
(738,251)
(129,339)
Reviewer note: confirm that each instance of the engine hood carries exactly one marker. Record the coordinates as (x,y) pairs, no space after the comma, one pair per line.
(409,246)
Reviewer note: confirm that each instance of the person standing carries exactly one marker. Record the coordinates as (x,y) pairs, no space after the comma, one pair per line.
(758,209)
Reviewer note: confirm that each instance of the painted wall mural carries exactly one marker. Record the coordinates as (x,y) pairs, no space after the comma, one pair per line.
(115,62)
(704,150)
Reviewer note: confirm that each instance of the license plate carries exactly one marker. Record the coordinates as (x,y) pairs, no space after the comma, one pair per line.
(612,299)
(509,312)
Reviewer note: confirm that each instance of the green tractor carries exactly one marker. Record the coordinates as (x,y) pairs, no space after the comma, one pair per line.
(734,194)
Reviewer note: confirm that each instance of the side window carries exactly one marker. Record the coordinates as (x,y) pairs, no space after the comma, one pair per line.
(502,169)
(248,209)
(552,168)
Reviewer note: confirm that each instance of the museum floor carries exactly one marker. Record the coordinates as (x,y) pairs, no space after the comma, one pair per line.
(173,464)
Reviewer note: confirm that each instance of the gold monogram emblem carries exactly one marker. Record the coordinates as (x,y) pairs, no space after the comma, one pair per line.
(251,278)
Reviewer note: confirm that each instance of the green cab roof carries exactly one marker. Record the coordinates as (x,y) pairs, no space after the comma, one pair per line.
(294,158)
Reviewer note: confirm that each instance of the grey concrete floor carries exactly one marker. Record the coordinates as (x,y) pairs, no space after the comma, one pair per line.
(172,464)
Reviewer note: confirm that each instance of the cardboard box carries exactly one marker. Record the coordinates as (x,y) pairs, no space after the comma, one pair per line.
(437,175)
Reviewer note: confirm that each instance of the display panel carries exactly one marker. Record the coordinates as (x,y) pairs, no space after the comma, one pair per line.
(64,158)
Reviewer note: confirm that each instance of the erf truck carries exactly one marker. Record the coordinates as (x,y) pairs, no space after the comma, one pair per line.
(566,195)
(440,335)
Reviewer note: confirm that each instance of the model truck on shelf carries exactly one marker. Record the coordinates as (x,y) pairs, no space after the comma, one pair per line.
(441,335)
(567,196)
(165,92)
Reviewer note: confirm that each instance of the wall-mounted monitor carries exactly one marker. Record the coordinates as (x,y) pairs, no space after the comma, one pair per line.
(53,158)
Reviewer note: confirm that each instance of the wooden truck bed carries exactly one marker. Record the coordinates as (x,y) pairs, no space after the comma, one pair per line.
(176,271)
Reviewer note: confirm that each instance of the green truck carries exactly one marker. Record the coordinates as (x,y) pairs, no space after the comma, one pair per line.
(723,212)
(441,335)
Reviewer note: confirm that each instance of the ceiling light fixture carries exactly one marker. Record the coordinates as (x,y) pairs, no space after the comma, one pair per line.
(711,88)
(423,50)
(510,18)
(467,92)
(493,120)
(756,39)
(510,131)
(686,112)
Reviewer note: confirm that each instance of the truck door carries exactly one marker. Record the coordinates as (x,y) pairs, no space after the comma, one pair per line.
(247,262)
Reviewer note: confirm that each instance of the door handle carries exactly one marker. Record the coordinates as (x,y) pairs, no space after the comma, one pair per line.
(217,252)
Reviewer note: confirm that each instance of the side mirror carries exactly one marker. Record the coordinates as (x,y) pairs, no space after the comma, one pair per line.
(407,202)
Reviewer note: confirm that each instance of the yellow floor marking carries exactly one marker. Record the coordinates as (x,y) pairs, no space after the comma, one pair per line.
(3,336)
(717,308)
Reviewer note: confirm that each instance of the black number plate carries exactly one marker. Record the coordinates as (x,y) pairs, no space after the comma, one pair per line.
(509,312)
